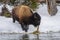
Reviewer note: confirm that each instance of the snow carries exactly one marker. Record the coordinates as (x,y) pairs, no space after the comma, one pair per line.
(48,23)
(1,8)
(9,8)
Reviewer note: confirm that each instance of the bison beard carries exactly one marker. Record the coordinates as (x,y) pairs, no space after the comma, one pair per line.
(26,21)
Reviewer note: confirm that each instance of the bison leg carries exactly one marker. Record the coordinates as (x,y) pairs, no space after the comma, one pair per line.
(13,20)
(24,27)
(13,17)
(37,30)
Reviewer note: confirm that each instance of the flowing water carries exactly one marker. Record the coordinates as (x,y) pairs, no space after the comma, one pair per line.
(42,36)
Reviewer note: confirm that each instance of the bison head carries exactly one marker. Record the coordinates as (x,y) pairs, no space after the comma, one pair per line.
(36,19)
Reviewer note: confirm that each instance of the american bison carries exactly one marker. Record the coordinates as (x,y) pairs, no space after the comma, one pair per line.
(24,15)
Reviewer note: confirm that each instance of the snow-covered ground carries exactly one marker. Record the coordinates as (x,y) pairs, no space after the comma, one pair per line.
(48,23)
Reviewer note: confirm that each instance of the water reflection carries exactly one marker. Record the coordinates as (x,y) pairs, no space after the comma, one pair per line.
(30,37)
(49,36)
(37,37)
(25,37)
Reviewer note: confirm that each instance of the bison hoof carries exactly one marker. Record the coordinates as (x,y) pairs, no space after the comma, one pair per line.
(13,21)
(36,32)
(26,30)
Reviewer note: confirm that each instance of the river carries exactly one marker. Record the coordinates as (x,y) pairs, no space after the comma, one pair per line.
(42,36)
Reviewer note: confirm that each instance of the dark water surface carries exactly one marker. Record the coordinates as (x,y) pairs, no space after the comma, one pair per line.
(42,36)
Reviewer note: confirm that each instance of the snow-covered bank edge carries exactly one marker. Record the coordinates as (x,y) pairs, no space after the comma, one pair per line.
(27,33)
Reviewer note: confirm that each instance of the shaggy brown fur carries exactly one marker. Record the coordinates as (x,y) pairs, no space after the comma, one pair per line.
(24,15)
(23,12)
